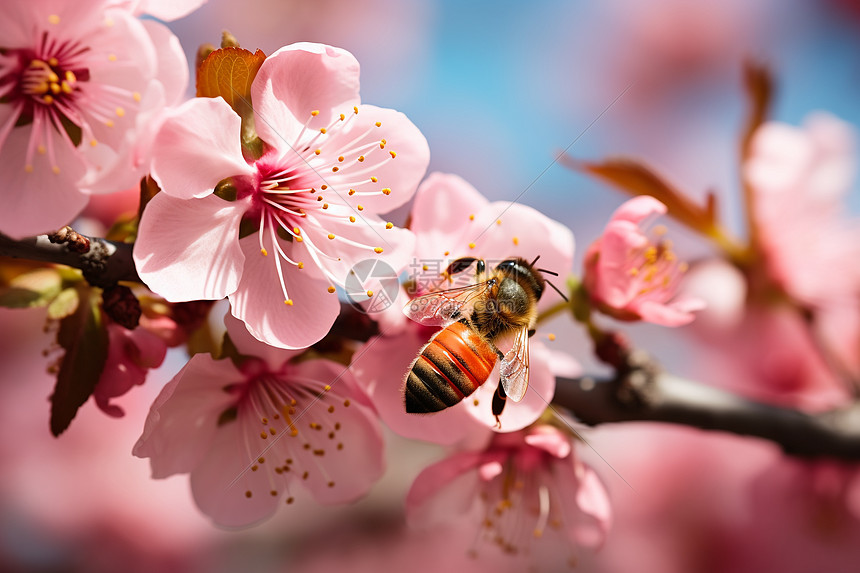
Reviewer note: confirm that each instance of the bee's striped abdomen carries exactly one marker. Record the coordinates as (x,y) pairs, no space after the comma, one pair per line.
(451,366)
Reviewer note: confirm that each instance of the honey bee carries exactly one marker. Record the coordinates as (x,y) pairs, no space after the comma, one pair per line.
(458,359)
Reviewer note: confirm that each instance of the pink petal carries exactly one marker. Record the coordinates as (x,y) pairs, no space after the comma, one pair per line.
(183,419)
(198,146)
(779,155)
(432,220)
(187,250)
(444,490)
(298,79)
(613,284)
(517,415)
(258,300)
(40,201)
(401,174)
(638,209)
(360,463)
(490,470)
(172,65)
(250,346)
(381,366)
(535,233)
(398,245)
(671,314)
(593,500)
(212,482)
(549,440)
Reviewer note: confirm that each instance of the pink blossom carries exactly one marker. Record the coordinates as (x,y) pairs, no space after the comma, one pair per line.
(527,495)
(131,354)
(78,82)
(494,232)
(310,204)
(799,178)
(249,435)
(632,276)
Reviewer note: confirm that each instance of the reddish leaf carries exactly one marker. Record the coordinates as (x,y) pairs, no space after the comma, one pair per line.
(229,72)
(84,337)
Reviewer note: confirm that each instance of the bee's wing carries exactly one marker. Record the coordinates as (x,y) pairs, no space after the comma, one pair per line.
(514,368)
(445,307)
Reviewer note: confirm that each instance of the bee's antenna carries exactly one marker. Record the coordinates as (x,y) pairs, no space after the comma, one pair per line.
(553,273)
(534,261)
(555,288)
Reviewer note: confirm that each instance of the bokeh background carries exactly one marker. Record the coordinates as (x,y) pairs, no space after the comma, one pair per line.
(498,88)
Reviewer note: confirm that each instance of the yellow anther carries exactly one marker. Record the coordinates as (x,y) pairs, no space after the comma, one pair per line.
(67,89)
(471,245)
(136,97)
(317,151)
(54,62)
(369,293)
(323,187)
(342,117)
(471,217)
(335,169)
(112,57)
(41,150)
(290,500)
(389,225)
(498,221)
(360,207)
(93,143)
(301,265)
(319,198)
(288,302)
(551,336)
(55,88)
(325,205)
(374,179)
(360,158)
(120,112)
(248,493)
(386,191)
(55,170)
(297,231)
(633,272)
(53,19)
(109,123)
(331,289)
(274,493)
(315,113)
(351,192)
(264,252)
(48,99)
(351,219)
(331,484)
(326,388)
(378,250)
(447,253)
(516,241)
(323,130)
(340,158)
(331,236)
(378,124)
(392,154)
(355,109)
(28,168)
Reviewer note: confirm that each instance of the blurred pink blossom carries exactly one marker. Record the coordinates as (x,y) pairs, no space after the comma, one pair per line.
(495,232)
(632,276)
(79,84)
(131,354)
(330,166)
(527,495)
(800,178)
(249,435)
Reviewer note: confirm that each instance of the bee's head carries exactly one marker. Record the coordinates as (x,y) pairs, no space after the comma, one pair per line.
(525,274)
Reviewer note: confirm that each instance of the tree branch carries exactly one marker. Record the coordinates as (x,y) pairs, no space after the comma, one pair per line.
(645,394)
(104,263)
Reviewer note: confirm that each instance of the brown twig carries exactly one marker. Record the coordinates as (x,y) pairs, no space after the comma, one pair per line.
(104,263)
(645,394)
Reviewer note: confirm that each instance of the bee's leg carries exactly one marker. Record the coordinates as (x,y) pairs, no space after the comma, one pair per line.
(499,400)
(459,265)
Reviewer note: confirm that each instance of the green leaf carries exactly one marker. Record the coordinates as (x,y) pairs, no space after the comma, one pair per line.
(64,304)
(84,337)
(29,289)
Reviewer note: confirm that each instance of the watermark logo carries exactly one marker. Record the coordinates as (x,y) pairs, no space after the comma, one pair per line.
(371,286)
